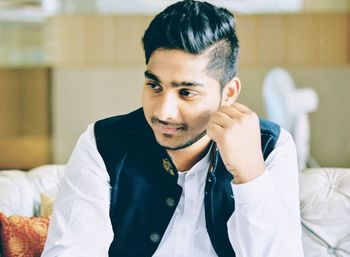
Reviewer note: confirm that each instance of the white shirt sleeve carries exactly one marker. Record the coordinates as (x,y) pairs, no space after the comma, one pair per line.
(80,225)
(266,220)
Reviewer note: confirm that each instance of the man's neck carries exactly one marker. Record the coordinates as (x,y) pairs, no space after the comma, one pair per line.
(186,158)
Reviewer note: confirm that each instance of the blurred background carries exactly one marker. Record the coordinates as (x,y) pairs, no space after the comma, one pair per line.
(65,64)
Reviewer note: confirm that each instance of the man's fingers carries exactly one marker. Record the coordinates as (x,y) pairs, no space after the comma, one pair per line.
(226,117)
(242,108)
(230,111)
(214,130)
(221,118)
(226,114)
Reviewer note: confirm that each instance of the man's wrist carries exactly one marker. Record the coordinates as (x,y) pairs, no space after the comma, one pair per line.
(245,175)
(254,190)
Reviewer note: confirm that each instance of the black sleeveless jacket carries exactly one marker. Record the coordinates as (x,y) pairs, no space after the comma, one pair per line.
(144,189)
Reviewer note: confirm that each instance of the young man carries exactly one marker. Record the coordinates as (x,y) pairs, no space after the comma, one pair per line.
(193,172)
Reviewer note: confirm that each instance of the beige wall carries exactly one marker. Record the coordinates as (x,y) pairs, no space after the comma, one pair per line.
(24,117)
(97,71)
(115,41)
(330,124)
(326,5)
(90,82)
(82,96)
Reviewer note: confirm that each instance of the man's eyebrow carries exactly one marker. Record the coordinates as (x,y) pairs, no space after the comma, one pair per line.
(151,76)
(186,84)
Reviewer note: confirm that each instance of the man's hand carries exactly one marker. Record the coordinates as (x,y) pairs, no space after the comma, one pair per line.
(236,131)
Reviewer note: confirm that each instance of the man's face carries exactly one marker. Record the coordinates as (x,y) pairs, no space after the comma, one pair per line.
(179,97)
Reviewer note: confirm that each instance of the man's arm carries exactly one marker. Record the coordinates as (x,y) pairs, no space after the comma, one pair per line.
(266,221)
(80,224)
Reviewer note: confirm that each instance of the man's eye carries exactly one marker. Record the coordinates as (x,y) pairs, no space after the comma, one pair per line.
(187,93)
(154,86)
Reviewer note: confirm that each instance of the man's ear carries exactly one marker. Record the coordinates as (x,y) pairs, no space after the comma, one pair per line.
(231,91)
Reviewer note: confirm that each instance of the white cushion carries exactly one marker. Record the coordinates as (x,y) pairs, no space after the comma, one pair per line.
(20,190)
(325,211)
(16,193)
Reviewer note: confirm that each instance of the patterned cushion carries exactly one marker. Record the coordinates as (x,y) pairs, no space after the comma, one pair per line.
(22,236)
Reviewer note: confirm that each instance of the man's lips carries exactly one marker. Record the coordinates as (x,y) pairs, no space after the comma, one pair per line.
(170,130)
(167,127)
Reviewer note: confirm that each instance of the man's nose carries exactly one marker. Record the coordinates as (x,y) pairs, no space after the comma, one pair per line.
(168,108)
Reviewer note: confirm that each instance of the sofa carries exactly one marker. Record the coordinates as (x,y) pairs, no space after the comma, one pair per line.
(26,197)
(325,211)
(26,201)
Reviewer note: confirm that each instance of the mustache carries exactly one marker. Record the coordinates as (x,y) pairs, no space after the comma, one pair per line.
(156,121)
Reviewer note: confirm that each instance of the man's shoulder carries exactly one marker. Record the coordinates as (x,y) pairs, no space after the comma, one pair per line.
(129,123)
(270,133)
(269,127)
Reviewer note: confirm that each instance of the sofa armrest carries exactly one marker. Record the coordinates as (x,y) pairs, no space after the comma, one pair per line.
(16,193)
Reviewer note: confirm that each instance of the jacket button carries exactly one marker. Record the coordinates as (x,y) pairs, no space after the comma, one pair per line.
(170,201)
(154,237)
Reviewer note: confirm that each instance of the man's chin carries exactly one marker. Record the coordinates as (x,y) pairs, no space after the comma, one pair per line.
(173,146)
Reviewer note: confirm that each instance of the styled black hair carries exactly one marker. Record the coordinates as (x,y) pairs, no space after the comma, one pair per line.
(196,27)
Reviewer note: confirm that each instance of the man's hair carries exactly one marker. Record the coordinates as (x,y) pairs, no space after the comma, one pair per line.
(196,27)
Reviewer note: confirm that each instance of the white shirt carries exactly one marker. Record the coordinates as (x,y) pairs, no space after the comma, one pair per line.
(186,234)
(265,223)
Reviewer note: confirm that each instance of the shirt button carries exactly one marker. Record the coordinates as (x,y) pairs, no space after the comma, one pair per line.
(154,237)
(170,201)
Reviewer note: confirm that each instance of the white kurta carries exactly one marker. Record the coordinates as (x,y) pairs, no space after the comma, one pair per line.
(266,221)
